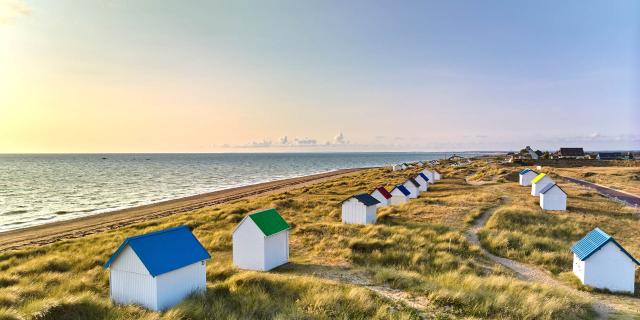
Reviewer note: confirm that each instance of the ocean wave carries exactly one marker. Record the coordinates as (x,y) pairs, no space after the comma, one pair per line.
(13,212)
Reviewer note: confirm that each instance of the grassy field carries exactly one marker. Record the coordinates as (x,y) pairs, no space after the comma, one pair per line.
(522,231)
(417,249)
(622,178)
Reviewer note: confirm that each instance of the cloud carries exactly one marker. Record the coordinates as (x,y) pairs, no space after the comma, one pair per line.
(260,144)
(10,10)
(284,140)
(339,139)
(306,142)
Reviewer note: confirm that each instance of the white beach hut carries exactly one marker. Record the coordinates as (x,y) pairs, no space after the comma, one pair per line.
(404,166)
(430,175)
(601,262)
(359,209)
(552,197)
(423,181)
(157,270)
(526,176)
(382,195)
(436,175)
(399,195)
(261,241)
(539,182)
(413,186)
(396,167)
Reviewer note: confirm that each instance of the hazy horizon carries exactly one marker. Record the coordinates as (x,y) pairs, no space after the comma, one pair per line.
(262,76)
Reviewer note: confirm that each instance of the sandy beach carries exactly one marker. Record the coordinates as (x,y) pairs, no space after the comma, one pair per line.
(79,227)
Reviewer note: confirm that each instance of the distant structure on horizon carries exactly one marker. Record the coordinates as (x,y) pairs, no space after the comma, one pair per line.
(571,153)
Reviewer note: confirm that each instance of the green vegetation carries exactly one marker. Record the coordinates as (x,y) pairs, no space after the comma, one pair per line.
(418,249)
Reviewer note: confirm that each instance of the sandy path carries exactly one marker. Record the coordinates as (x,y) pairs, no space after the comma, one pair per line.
(79,227)
(603,304)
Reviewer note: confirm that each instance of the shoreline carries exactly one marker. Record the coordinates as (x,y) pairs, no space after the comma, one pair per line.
(82,226)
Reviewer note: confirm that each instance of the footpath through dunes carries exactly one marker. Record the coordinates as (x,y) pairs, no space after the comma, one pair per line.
(79,227)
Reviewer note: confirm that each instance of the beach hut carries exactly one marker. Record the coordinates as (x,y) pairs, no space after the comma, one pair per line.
(403,166)
(526,176)
(261,241)
(539,182)
(359,209)
(423,181)
(399,195)
(552,197)
(157,270)
(382,195)
(396,167)
(429,175)
(436,175)
(413,186)
(601,262)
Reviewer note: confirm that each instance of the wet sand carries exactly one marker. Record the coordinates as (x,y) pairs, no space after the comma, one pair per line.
(79,227)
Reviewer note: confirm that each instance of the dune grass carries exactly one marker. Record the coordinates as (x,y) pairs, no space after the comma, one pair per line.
(522,231)
(418,248)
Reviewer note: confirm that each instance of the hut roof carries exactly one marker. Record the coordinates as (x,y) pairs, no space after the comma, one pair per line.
(269,221)
(594,241)
(538,178)
(549,187)
(383,192)
(402,189)
(164,251)
(365,199)
(414,182)
(424,176)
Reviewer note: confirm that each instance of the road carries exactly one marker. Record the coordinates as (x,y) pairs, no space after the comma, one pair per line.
(628,198)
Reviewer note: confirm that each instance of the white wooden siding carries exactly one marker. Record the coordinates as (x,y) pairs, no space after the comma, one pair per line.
(413,190)
(553,199)
(175,285)
(397,197)
(525,179)
(248,246)
(609,268)
(276,250)
(536,187)
(383,201)
(130,282)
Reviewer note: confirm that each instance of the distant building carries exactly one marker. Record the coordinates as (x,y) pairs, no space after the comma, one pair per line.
(413,186)
(261,241)
(399,195)
(157,270)
(382,195)
(614,156)
(533,154)
(552,197)
(359,209)
(601,262)
(526,176)
(571,153)
(539,182)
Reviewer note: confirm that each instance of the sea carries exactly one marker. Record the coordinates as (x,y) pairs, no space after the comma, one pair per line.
(43,188)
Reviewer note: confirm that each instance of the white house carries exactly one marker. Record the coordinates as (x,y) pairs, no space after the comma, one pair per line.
(399,195)
(601,262)
(261,241)
(430,175)
(552,197)
(436,175)
(382,195)
(539,182)
(359,209)
(526,176)
(413,186)
(157,270)
(423,181)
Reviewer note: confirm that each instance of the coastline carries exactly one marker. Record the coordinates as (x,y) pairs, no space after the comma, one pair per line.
(82,226)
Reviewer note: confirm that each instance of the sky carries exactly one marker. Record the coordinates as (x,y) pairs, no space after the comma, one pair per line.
(263,76)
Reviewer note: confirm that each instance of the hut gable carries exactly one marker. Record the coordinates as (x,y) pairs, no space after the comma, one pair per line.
(383,192)
(365,199)
(402,189)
